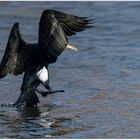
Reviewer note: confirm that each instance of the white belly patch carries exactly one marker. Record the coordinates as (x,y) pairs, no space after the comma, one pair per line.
(42,74)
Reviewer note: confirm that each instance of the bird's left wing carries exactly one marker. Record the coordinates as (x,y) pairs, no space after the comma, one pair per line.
(16,54)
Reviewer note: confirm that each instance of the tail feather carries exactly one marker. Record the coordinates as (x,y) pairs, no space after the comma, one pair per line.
(29,99)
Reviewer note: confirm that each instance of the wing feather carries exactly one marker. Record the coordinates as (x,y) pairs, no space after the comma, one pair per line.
(54,27)
(71,23)
(52,39)
(16,54)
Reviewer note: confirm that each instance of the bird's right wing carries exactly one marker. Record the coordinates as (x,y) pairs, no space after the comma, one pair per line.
(54,27)
(52,39)
(16,54)
(71,23)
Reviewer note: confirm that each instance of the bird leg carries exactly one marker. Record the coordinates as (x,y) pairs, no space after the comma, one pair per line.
(49,92)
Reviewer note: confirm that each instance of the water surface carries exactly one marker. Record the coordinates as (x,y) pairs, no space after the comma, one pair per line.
(101,80)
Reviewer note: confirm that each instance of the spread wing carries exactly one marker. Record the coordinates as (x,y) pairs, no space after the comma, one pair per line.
(54,27)
(16,54)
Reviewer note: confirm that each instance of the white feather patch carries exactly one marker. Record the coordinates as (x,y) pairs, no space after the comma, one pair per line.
(43,74)
(72,47)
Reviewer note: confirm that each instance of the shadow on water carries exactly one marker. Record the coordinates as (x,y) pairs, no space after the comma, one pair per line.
(29,113)
(32,122)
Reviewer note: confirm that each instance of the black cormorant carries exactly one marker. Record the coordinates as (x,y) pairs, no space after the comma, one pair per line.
(34,59)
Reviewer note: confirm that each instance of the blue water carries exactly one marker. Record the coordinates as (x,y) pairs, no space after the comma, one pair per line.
(101,80)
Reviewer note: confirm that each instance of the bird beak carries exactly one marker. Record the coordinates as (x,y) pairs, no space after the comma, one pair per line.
(71,47)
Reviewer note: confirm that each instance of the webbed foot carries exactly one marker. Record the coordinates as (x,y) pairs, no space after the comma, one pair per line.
(45,93)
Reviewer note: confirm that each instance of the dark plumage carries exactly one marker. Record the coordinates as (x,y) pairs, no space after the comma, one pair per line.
(33,59)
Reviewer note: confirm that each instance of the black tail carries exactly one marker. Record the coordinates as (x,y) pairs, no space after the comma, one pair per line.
(29,99)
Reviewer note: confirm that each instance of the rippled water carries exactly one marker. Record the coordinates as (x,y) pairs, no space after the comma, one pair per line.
(102,82)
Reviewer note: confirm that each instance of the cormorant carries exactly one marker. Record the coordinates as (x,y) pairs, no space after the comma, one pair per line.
(34,59)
